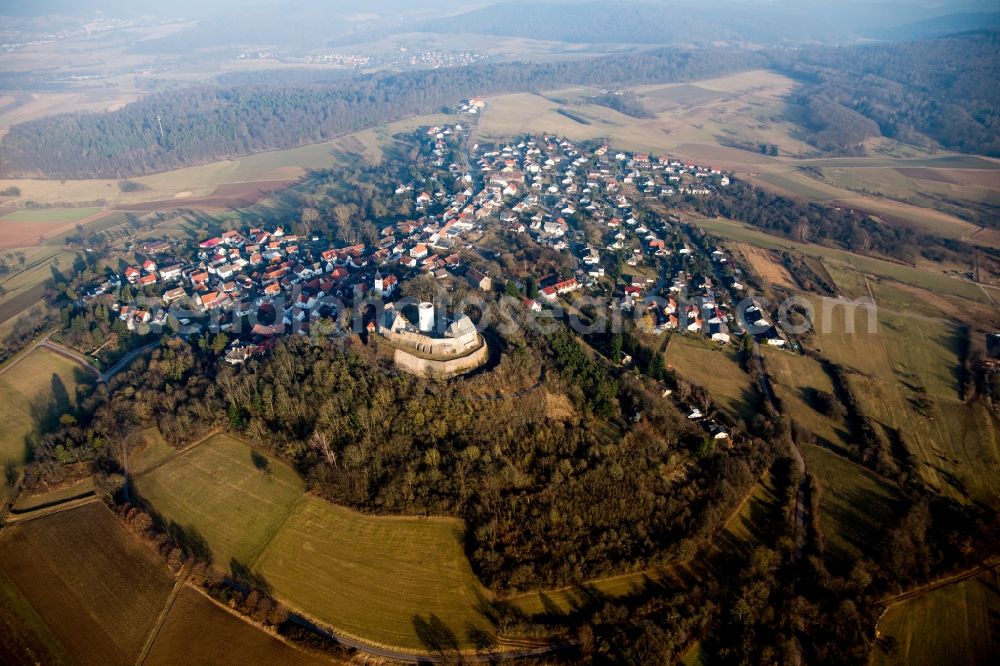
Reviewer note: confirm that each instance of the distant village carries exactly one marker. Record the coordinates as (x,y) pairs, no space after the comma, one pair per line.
(546,187)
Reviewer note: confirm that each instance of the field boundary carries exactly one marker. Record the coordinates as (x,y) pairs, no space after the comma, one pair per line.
(987,565)
(299,501)
(179,583)
(179,452)
(12,518)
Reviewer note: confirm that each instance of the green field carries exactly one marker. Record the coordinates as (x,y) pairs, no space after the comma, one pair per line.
(955,624)
(39,386)
(42,215)
(217,493)
(386,580)
(75,584)
(377,578)
(906,376)
(856,506)
(198,632)
(718,370)
(791,376)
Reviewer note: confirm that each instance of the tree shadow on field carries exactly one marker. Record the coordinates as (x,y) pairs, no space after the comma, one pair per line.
(246,577)
(187,538)
(46,408)
(435,635)
(260,461)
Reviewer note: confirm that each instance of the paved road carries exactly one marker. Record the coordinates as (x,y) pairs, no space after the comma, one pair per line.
(126,360)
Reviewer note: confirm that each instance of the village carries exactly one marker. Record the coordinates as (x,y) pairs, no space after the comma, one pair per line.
(589,203)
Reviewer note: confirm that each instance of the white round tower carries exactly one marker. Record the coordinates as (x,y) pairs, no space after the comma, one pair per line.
(426,317)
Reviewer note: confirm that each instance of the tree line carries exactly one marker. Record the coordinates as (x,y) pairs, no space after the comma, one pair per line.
(207,123)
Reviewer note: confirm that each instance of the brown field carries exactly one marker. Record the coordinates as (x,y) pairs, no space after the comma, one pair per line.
(767,266)
(740,108)
(924,173)
(981,177)
(89,587)
(225,197)
(197,631)
(985,236)
(19,231)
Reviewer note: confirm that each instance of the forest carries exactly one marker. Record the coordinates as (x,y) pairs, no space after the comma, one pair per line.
(944,89)
(827,225)
(208,123)
(847,95)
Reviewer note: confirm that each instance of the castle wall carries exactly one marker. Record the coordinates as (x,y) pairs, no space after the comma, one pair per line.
(446,368)
(443,347)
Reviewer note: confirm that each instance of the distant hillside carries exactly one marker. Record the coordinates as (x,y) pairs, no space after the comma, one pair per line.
(763,22)
(208,123)
(940,26)
(635,22)
(944,89)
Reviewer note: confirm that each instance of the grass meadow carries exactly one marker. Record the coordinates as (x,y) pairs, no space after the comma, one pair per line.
(224,494)
(937,627)
(39,386)
(907,379)
(791,376)
(390,581)
(856,506)
(703,363)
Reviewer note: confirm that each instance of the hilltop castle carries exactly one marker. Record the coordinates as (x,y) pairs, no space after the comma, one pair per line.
(436,345)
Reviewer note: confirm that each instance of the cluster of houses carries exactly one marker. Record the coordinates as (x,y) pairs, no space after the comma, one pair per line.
(577,199)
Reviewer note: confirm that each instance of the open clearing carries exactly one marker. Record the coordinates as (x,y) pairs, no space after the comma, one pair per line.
(856,506)
(703,363)
(767,266)
(77,583)
(208,490)
(197,631)
(792,376)
(29,226)
(926,279)
(950,625)
(906,377)
(38,386)
(386,580)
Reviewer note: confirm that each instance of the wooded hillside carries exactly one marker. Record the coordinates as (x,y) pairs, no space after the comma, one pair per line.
(208,123)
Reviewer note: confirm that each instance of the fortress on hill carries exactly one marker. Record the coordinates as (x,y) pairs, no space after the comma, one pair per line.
(435,345)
